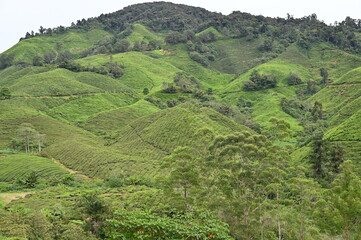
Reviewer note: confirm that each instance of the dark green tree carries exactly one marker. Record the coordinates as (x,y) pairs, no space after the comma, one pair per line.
(5,93)
(49,57)
(293,79)
(145,91)
(324,75)
(317,112)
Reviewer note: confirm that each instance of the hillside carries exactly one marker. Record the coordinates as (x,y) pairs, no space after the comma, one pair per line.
(166,121)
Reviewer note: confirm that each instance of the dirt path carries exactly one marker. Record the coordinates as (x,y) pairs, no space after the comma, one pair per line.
(71,171)
(8,197)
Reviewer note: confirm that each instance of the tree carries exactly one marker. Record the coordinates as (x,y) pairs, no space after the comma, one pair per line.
(174,37)
(280,129)
(6,60)
(38,61)
(267,45)
(316,111)
(293,79)
(336,157)
(49,57)
(26,133)
(145,91)
(121,46)
(259,81)
(39,139)
(95,209)
(324,75)
(340,210)
(41,30)
(183,171)
(5,93)
(318,155)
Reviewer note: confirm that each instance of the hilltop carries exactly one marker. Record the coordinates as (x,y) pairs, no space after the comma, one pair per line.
(172,121)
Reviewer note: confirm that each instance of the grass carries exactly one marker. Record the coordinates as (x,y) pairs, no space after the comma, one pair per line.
(349,130)
(41,81)
(108,122)
(212,30)
(236,55)
(141,33)
(72,41)
(81,109)
(140,70)
(207,77)
(54,82)
(15,166)
(351,77)
(280,68)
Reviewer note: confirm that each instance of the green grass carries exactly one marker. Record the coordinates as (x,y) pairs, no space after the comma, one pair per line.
(351,77)
(335,97)
(72,41)
(280,68)
(207,77)
(15,166)
(140,70)
(346,111)
(236,55)
(184,125)
(107,122)
(348,130)
(81,109)
(212,30)
(141,33)
(54,82)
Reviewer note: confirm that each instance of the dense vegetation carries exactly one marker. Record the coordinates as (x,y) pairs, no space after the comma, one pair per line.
(164,121)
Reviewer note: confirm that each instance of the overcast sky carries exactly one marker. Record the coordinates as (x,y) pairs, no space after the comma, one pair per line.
(20,16)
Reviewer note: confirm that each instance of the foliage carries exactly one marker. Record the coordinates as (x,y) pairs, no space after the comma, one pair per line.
(340,209)
(293,79)
(258,82)
(144,225)
(5,93)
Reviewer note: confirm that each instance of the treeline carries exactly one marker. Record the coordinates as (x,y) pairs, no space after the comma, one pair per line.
(169,17)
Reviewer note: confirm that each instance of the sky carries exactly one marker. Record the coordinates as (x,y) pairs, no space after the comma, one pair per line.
(20,16)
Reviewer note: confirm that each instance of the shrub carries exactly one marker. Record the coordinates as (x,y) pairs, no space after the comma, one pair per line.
(293,79)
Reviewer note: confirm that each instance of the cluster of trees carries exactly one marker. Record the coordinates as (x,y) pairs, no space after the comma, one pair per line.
(45,31)
(259,81)
(29,138)
(182,83)
(119,45)
(248,181)
(293,79)
(6,60)
(66,60)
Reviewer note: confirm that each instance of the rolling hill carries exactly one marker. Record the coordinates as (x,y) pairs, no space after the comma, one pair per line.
(161,103)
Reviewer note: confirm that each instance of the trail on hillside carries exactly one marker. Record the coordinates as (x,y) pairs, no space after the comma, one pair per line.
(9,197)
(71,171)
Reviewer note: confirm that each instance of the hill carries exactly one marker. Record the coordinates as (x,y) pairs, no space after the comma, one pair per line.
(163,118)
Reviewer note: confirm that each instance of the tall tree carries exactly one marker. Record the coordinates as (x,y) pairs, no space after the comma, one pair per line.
(184,173)
(26,133)
(340,210)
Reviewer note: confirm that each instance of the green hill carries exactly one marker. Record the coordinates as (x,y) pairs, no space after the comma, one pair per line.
(153,108)
(14,166)
(72,41)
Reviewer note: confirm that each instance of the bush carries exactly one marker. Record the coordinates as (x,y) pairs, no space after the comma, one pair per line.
(259,82)
(114,182)
(30,181)
(293,79)
(195,56)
